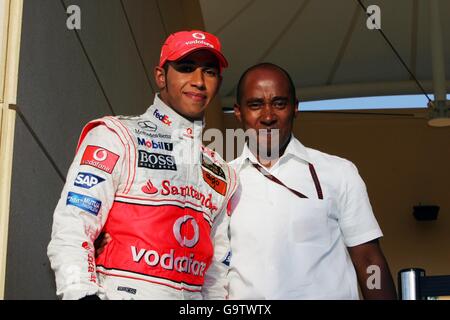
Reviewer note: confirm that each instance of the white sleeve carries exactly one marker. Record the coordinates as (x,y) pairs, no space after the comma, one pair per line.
(215,286)
(82,211)
(356,219)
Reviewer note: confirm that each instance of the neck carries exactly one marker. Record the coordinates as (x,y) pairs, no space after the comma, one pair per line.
(191,119)
(268,159)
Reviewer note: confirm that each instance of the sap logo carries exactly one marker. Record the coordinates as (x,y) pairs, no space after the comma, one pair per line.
(161,117)
(155,145)
(87,180)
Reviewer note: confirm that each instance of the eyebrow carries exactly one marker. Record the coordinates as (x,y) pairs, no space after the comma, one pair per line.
(280,98)
(277,98)
(252,100)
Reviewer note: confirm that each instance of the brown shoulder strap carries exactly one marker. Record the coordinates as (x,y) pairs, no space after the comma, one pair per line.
(298,194)
(276,180)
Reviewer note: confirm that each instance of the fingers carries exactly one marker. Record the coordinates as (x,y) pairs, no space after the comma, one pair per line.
(101,243)
(106,239)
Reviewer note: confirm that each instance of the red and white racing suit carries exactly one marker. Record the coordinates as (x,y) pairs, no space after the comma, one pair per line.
(161,195)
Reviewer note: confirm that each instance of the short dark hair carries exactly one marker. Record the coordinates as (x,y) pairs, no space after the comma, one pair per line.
(265,65)
(166,66)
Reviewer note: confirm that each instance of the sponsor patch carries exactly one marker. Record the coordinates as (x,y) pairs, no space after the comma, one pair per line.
(153,135)
(85,203)
(99,158)
(149,188)
(156,161)
(188,191)
(127,290)
(170,261)
(217,184)
(214,168)
(152,144)
(164,118)
(227,259)
(148,125)
(91,263)
(189,133)
(87,180)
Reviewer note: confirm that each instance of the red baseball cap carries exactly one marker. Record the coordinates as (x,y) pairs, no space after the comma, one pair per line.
(182,43)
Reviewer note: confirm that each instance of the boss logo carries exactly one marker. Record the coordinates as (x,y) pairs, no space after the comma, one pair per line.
(156,161)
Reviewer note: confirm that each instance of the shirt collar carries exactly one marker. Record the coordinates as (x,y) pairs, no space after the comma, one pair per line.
(294,149)
(164,116)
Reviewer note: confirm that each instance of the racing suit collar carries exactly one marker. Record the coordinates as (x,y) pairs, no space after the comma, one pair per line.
(165,117)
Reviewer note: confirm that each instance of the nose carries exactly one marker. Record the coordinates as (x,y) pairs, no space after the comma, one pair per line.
(198,79)
(268,117)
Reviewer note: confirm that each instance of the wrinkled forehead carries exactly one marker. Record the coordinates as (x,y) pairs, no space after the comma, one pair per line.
(266,80)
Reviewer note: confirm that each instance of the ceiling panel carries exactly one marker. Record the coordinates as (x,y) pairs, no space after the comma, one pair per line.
(325,43)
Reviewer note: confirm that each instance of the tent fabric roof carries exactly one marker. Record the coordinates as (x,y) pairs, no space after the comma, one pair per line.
(326,46)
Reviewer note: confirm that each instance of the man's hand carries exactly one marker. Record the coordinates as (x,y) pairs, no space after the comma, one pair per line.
(100,243)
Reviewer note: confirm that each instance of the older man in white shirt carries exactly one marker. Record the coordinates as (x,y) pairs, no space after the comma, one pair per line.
(302,226)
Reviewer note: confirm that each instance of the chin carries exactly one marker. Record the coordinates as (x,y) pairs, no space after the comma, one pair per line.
(195,115)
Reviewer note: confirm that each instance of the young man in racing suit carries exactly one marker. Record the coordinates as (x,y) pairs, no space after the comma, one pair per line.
(150,184)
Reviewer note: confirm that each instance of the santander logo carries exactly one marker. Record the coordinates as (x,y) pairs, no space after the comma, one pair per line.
(188,191)
(149,188)
(184,191)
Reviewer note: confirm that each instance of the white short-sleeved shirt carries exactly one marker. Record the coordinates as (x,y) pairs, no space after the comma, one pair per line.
(285,247)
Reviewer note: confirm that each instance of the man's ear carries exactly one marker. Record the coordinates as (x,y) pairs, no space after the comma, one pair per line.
(237,112)
(160,77)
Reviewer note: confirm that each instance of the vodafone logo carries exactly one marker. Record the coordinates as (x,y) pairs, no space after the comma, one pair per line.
(199,36)
(189,133)
(99,158)
(100,155)
(189,243)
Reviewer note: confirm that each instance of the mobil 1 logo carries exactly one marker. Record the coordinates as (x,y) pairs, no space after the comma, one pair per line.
(156,161)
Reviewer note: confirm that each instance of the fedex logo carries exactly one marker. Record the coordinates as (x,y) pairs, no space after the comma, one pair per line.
(161,117)
(87,180)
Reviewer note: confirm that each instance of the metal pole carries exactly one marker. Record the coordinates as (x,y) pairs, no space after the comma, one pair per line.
(440,109)
(409,283)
